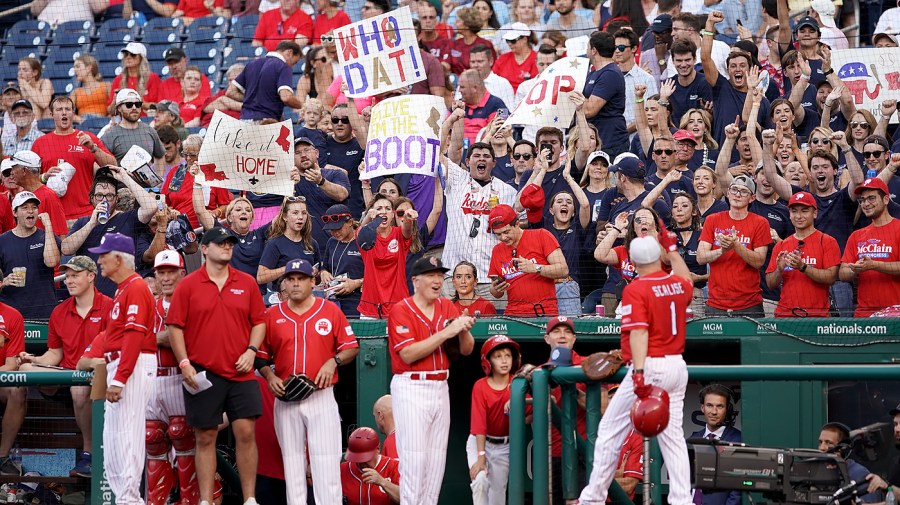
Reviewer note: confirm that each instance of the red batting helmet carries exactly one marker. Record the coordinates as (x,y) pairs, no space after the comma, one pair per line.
(495,342)
(651,415)
(362,445)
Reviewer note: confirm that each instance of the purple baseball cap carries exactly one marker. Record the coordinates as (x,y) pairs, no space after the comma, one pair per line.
(114,242)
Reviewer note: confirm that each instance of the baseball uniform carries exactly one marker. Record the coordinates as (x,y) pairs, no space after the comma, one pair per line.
(421,400)
(358,492)
(656,302)
(130,353)
(389,447)
(302,344)
(488,418)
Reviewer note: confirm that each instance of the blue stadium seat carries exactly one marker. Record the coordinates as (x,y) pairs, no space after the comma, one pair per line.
(169,36)
(67,39)
(159,67)
(197,50)
(28,32)
(73,33)
(63,56)
(242,52)
(93,124)
(110,69)
(208,26)
(9,70)
(17,53)
(118,30)
(45,125)
(164,24)
(107,51)
(62,86)
(58,70)
(244,27)
(196,129)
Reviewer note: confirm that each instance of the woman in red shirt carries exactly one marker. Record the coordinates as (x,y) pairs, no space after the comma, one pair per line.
(192,101)
(383,247)
(189,10)
(135,75)
(465,277)
(520,64)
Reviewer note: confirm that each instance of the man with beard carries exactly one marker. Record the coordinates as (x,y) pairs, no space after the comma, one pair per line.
(22,113)
(569,22)
(322,187)
(342,150)
(131,131)
(729,94)
(171,142)
(716,404)
(872,255)
(691,89)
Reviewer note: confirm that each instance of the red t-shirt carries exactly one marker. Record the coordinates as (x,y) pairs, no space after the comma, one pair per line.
(206,118)
(192,109)
(272,29)
(180,197)
(324,24)
(216,323)
(196,9)
(151,89)
(170,89)
(358,492)
(880,243)
(68,331)
(165,358)
(631,457)
(459,53)
(302,343)
(658,303)
(7,220)
(798,291)
(481,305)
(54,147)
(527,293)
(733,283)
(12,328)
(388,286)
(407,325)
(488,416)
(266,440)
(52,205)
(441,48)
(129,328)
(389,448)
(516,73)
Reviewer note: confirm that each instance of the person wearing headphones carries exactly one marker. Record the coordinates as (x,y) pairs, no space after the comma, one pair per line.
(717,406)
(834,437)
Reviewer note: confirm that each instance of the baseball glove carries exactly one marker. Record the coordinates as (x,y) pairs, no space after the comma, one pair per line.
(298,388)
(602,365)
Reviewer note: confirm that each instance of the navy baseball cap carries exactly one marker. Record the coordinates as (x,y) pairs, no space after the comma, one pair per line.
(298,266)
(337,215)
(303,140)
(114,242)
(661,23)
(429,264)
(217,235)
(894,411)
(560,356)
(807,21)
(630,166)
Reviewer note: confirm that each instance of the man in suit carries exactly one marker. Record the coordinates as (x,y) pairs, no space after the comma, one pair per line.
(717,406)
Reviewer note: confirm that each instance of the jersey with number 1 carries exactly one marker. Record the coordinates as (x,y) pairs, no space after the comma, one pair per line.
(658,303)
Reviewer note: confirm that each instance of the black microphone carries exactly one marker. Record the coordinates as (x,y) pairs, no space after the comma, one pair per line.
(851,487)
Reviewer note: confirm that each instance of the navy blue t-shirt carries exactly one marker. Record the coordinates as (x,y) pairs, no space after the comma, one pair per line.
(571,241)
(729,104)
(703,157)
(683,185)
(503,168)
(125,223)
(37,299)
(688,97)
(553,183)
(836,214)
(779,218)
(279,250)
(688,252)
(620,205)
(344,259)
(317,202)
(717,206)
(348,156)
(609,83)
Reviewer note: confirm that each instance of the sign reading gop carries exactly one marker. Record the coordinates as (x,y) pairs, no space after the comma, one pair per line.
(547,103)
(871,76)
(243,156)
(404,136)
(379,54)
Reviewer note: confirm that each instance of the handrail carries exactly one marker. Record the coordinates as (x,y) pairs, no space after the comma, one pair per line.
(61,378)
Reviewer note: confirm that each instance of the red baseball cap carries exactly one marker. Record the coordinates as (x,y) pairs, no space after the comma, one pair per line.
(560,320)
(803,198)
(532,198)
(872,183)
(684,135)
(501,216)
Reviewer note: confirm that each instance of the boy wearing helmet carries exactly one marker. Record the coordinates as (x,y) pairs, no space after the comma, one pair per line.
(487,448)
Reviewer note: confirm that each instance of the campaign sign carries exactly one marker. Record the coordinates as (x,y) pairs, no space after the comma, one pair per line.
(871,75)
(547,103)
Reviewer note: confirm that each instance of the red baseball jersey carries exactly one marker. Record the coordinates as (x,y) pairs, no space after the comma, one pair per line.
(488,416)
(68,331)
(482,306)
(631,457)
(129,328)
(12,329)
(54,147)
(880,243)
(389,447)
(798,291)
(734,284)
(96,348)
(407,324)
(164,355)
(388,258)
(217,323)
(527,290)
(302,343)
(657,302)
(359,493)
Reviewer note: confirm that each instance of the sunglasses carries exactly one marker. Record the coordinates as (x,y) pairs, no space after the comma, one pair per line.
(334,218)
(336,120)
(189,155)
(133,105)
(870,154)
(476,224)
(327,39)
(293,199)
(667,152)
(323,59)
(820,141)
(863,125)
(621,47)
(525,157)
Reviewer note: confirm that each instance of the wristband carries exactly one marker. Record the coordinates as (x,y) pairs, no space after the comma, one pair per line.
(803,267)
(44,178)
(321,183)
(252,348)
(482,453)
(828,72)
(707,33)
(664,103)
(638,370)
(804,76)
(617,229)
(183,363)
(638,100)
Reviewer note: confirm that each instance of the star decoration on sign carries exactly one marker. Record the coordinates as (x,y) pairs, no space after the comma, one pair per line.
(536,111)
(555,119)
(574,63)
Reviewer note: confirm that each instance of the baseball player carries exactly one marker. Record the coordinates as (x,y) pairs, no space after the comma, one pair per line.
(487,447)
(12,343)
(216,323)
(419,329)
(73,324)
(307,335)
(166,423)
(653,334)
(368,477)
(130,353)
(383,412)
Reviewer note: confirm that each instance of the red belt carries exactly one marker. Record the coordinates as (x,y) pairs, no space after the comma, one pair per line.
(167,371)
(429,376)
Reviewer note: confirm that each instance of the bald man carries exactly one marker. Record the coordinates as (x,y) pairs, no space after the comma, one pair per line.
(383,412)
(481,106)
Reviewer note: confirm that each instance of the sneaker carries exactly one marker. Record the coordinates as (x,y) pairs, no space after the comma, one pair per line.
(82,466)
(8,467)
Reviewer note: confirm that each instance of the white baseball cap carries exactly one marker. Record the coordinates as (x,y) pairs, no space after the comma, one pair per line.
(127,94)
(134,48)
(28,159)
(168,258)
(515,31)
(597,154)
(23,197)
(826,10)
(644,251)
(6,166)
(622,156)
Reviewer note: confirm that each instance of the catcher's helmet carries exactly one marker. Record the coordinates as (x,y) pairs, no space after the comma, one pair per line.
(650,415)
(362,445)
(495,342)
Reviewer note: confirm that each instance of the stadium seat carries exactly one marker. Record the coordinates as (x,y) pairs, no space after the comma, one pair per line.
(73,33)
(9,70)
(28,32)
(161,36)
(16,53)
(62,86)
(107,51)
(110,69)
(93,124)
(63,56)
(58,70)
(242,53)
(118,30)
(244,27)
(163,24)
(208,26)
(45,125)
(205,50)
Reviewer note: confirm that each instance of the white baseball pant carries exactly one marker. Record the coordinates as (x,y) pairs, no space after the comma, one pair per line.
(669,373)
(314,421)
(124,449)
(168,399)
(422,418)
(490,488)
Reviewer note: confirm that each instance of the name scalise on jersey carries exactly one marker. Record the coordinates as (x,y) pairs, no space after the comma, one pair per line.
(873,249)
(477,207)
(672,289)
(732,231)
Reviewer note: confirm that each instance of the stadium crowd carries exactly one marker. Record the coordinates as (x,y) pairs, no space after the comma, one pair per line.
(723,122)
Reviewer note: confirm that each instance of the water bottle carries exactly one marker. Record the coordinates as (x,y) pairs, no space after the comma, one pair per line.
(871,173)
(889,498)
(103,215)
(15,455)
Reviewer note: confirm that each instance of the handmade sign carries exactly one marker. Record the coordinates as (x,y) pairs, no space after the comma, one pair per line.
(404,136)
(547,103)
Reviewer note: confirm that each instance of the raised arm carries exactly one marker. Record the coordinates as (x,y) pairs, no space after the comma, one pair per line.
(856,172)
(784,26)
(581,199)
(799,89)
(51,251)
(706,43)
(888,108)
(436,205)
(782,186)
(732,132)
(584,130)
(145,201)
(641,125)
(604,251)
(658,190)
